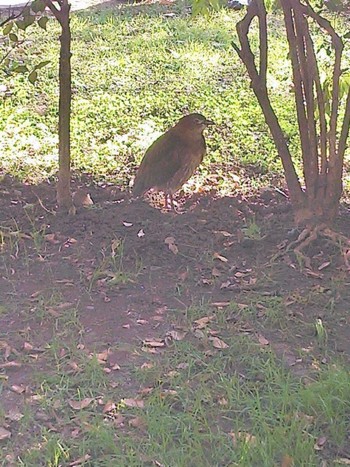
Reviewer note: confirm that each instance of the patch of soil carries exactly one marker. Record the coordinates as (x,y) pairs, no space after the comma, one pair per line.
(130,270)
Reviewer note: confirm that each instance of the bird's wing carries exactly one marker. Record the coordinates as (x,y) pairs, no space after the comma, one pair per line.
(160,162)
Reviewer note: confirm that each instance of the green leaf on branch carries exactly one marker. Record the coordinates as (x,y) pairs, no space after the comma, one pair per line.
(21,69)
(42,22)
(38,6)
(41,65)
(7,29)
(33,76)
(13,37)
(24,23)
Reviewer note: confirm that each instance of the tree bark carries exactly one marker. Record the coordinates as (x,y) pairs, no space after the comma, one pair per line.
(64,196)
(321,145)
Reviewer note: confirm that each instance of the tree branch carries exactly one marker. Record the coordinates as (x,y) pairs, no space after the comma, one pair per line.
(258,81)
(13,16)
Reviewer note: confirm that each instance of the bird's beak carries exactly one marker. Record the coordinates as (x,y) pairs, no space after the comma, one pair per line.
(209,122)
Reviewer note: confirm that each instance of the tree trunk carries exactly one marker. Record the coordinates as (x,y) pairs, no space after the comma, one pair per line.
(323,143)
(64,196)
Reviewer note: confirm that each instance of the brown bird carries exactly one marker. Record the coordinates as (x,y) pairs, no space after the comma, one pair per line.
(173,158)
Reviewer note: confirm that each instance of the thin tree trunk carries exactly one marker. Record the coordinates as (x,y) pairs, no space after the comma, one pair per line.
(64,197)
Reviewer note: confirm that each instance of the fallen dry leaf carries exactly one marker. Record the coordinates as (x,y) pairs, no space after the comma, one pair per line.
(224,233)
(142,321)
(170,241)
(320,443)
(146,366)
(215,272)
(218,343)
(139,403)
(324,265)
(12,364)
(220,257)
(220,304)
(18,389)
(4,434)
(202,322)
(140,233)
(27,347)
(262,340)
(109,406)
(80,461)
(154,343)
(127,224)
(176,335)
(115,367)
(78,405)
(224,285)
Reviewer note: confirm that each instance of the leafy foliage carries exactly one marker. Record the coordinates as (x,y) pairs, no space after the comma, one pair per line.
(14,37)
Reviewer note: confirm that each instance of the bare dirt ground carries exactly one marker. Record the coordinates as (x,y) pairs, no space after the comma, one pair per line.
(129,270)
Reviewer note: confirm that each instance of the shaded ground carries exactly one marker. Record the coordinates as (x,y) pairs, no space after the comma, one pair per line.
(127,273)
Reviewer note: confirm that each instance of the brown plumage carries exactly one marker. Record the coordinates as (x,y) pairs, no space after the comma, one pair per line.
(173,158)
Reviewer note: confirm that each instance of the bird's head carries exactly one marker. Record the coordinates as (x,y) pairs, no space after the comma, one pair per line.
(194,122)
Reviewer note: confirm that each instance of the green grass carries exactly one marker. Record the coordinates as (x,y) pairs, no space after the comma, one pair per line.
(135,72)
(199,401)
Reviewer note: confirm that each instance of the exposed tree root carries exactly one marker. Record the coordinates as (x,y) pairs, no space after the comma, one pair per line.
(310,235)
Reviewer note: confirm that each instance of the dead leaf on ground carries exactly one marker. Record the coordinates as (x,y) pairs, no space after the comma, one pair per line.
(80,461)
(79,405)
(4,434)
(147,366)
(320,443)
(12,364)
(102,356)
(202,322)
(154,343)
(127,224)
(243,436)
(176,335)
(141,321)
(139,403)
(140,233)
(225,285)
(27,347)
(170,241)
(109,406)
(18,389)
(262,340)
(220,304)
(223,233)
(215,272)
(324,265)
(220,257)
(218,343)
